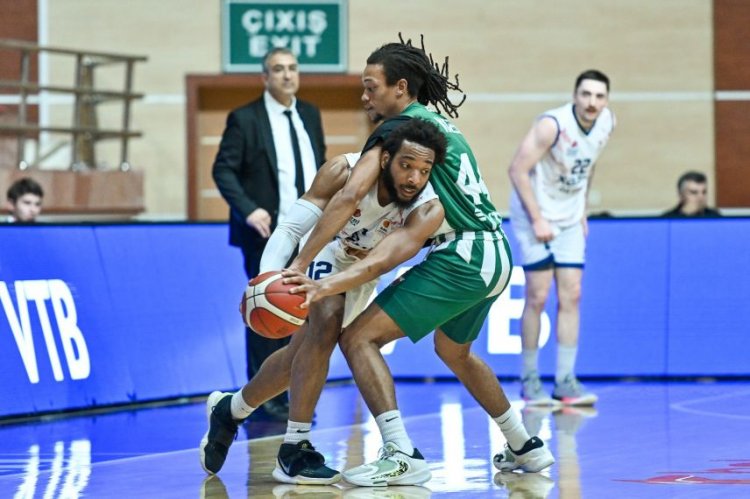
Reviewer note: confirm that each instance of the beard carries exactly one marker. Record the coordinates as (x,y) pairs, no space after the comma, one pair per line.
(390,186)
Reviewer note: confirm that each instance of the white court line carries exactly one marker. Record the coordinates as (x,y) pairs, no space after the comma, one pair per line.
(680,406)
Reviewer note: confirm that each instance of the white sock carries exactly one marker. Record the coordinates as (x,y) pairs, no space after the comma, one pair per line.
(566,361)
(240,409)
(530,359)
(392,429)
(511,425)
(297,432)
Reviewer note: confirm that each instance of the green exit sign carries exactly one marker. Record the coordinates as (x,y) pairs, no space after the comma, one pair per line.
(316,31)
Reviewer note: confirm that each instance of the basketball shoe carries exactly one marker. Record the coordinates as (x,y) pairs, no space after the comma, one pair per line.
(572,392)
(533,393)
(300,464)
(534,456)
(393,467)
(222,431)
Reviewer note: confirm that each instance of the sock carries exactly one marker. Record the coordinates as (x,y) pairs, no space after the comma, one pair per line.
(566,361)
(240,409)
(530,361)
(393,430)
(296,432)
(511,425)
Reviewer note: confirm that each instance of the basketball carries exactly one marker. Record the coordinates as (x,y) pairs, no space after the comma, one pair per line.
(269,309)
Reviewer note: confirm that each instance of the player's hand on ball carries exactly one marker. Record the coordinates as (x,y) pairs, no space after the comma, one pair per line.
(268,307)
(302,284)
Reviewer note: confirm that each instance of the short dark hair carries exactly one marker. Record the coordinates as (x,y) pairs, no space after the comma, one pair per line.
(691,176)
(273,52)
(420,132)
(591,74)
(22,187)
(426,81)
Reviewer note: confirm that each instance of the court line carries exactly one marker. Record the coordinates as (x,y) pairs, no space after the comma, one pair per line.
(680,406)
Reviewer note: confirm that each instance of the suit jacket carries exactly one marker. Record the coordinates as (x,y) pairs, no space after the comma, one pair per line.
(246,171)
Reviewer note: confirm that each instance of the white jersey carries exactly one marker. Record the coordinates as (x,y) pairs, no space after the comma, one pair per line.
(371,222)
(560,179)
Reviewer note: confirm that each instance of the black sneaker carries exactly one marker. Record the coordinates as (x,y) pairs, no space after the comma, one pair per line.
(301,464)
(222,431)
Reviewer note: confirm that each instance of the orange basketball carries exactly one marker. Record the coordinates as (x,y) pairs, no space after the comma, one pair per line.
(268,307)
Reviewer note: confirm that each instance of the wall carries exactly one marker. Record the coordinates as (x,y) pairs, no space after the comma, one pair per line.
(515,59)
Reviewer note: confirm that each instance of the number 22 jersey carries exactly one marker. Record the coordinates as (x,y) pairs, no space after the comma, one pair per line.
(560,179)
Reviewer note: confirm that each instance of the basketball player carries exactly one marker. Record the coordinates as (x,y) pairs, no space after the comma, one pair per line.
(391,224)
(551,174)
(450,292)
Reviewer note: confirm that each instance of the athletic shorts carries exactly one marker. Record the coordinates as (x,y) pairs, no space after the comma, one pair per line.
(453,288)
(567,249)
(331,260)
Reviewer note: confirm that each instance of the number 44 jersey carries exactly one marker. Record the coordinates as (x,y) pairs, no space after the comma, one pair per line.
(457,180)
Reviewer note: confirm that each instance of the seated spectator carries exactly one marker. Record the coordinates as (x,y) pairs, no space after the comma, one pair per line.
(24,201)
(692,188)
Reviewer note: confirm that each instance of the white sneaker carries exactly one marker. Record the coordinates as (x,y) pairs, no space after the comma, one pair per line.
(534,456)
(393,467)
(572,392)
(533,393)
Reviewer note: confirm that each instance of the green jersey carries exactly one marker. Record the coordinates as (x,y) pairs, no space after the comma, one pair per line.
(457,180)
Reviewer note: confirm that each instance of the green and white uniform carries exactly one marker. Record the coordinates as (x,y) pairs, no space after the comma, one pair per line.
(469,263)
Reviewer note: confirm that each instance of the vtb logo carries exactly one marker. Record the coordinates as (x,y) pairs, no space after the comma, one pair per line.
(38,293)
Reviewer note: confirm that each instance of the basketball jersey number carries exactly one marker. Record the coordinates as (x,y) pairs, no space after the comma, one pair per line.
(472,185)
(578,174)
(580,166)
(470,182)
(318,270)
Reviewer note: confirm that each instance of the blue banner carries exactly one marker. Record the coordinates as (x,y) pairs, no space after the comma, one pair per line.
(109,314)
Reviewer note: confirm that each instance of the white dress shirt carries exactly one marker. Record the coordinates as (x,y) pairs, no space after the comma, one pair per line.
(282,142)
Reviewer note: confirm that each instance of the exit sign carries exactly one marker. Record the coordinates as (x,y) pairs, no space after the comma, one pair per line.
(315,31)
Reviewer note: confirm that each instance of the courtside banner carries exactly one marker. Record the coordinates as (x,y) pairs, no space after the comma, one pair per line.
(112,314)
(100,315)
(316,31)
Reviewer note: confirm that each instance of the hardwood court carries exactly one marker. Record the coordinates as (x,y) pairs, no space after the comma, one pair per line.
(642,440)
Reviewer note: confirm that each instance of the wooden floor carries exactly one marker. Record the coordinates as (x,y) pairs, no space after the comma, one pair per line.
(642,440)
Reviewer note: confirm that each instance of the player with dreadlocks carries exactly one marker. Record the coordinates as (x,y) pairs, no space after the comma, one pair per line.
(450,292)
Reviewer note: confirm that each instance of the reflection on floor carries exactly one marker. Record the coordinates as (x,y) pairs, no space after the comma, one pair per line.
(641,440)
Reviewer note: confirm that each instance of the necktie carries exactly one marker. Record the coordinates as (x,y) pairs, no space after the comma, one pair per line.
(299,176)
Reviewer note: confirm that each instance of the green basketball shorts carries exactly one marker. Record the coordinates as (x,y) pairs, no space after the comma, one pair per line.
(453,288)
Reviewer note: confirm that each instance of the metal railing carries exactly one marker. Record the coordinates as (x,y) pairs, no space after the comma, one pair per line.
(84,130)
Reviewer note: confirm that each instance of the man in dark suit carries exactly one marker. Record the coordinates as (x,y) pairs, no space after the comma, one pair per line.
(268,156)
